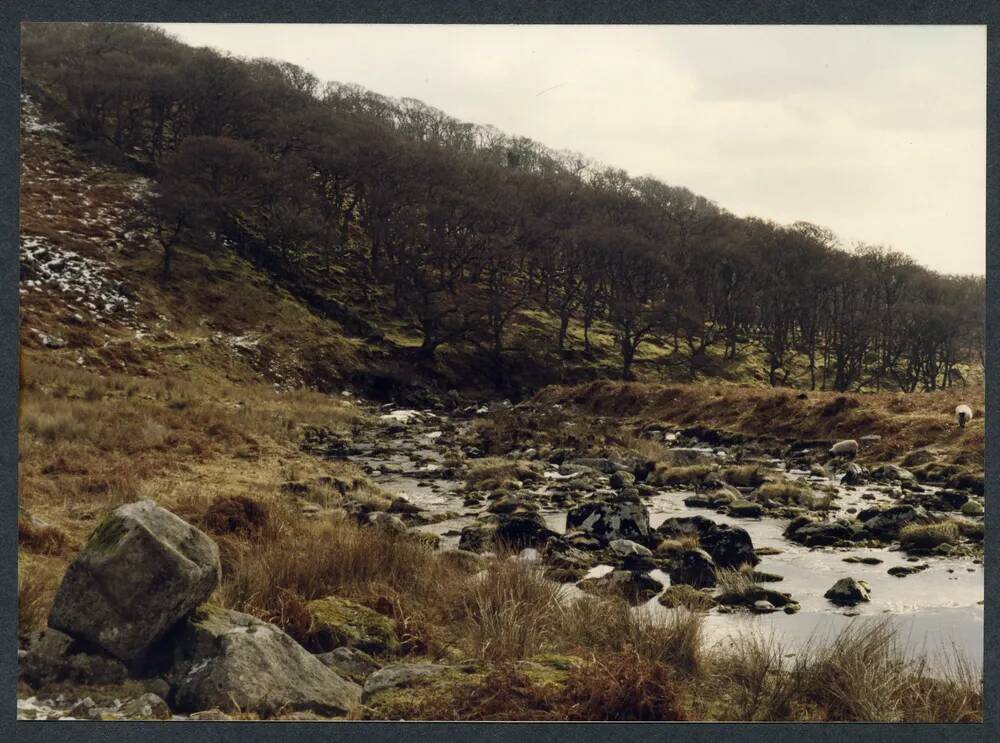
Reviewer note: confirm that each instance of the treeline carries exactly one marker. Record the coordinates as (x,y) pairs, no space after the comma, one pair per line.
(465,227)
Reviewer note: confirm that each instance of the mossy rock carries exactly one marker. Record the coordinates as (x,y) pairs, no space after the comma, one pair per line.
(338,622)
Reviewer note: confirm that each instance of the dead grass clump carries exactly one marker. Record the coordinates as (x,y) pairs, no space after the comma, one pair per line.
(790,493)
(686,596)
(928,536)
(604,624)
(37,581)
(679,544)
(693,474)
(510,610)
(236,514)
(294,561)
(43,540)
(492,472)
(746,475)
(970,529)
(624,687)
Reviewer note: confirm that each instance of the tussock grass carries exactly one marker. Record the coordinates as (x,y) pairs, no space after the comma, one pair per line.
(928,536)
(745,475)
(864,673)
(493,472)
(37,581)
(692,474)
(790,493)
(510,610)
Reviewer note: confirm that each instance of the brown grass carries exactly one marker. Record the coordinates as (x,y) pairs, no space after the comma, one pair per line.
(791,493)
(624,687)
(905,422)
(928,536)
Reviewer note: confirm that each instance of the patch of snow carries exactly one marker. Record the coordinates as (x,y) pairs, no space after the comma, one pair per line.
(31,119)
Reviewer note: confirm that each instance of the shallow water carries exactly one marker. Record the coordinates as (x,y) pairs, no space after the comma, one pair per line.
(937,610)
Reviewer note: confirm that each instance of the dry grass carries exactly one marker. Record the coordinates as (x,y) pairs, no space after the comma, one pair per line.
(493,472)
(37,581)
(745,475)
(791,493)
(928,536)
(905,422)
(863,674)
(510,610)
(692,474)
(624,687)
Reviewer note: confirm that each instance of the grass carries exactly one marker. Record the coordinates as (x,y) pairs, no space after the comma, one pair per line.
(864,673)
(686,596)
(791,493)
(492,473)
(692,474)
(509,609)
(928,536)
(904,422)
(746,475)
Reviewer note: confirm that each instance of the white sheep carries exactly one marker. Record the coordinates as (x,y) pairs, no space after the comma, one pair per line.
(963,414)
(846,448)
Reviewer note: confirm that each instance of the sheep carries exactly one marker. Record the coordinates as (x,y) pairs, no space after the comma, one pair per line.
(963,414)
(846,448)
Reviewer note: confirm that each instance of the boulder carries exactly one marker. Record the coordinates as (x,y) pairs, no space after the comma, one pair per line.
(729,546)
(886,524)
(848,592)
(746,509)
(634,587)
(845,448)
(620,480)
(53,656)
(854,474)
(140,572)
(231,661)
(350,663)
(386,522)
(633,556)
(337,622)
(812,533)
(694,568)
(401,676)
(892,473)
(610,520)
(972,508)
(146,707)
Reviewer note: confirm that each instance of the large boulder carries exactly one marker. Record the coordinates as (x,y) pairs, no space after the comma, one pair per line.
(235,662)
(516,530)
(813,533)
(885,524)
(729,546)
(694,568)
(140,572)
(892,473)
(609,520)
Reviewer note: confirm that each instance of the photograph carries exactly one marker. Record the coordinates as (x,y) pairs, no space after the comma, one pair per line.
(500,373)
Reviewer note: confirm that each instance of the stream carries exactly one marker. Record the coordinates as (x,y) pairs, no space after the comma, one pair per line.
(938,611)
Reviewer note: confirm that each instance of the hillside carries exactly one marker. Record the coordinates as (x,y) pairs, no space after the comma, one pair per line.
(296,393)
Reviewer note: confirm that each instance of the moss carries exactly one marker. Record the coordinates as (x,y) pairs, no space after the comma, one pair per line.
(338,622)
(687,596)
(416,699)
(108,534)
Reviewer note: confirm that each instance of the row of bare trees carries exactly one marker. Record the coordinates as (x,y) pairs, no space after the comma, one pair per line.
(462,228)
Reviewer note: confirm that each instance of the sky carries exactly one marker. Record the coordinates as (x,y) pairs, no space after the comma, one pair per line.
(876,132)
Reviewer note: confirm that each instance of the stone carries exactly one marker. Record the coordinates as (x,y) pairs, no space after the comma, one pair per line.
(892,473)
(620,480)
(746,509)
(140,572)
(610,520)
(972,508)
(337,622)
(854,474)
(402,505)
(845,448)
(812,533)
(401,676)
(694,568)
(901,571)
(848,592)
(350,663)
(53,656)
(387,522)
(763,607)
(729,546)
(236,663)
(146,707)
(635,588)
(213,715)
(885,524)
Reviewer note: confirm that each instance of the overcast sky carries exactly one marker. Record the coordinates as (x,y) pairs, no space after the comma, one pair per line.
(878,133)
